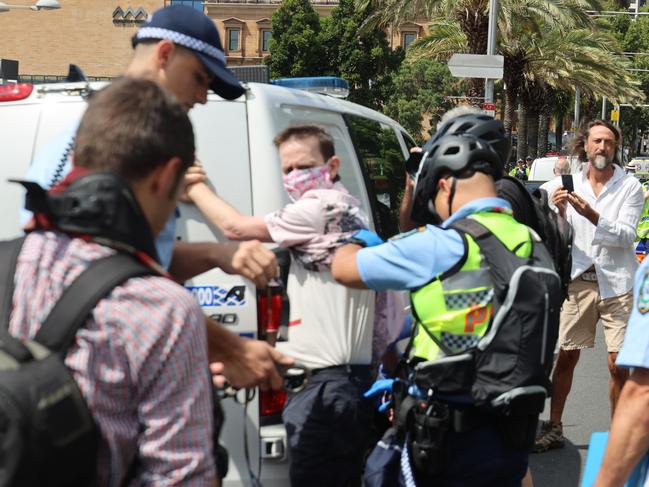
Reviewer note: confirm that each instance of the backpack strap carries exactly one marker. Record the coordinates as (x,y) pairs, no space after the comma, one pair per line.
(9,251)
(493,249)
(72,309)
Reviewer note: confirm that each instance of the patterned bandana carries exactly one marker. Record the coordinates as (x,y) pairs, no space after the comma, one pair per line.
(299,181)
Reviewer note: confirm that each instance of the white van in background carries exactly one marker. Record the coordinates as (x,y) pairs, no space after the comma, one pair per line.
(543,168)
(234,141)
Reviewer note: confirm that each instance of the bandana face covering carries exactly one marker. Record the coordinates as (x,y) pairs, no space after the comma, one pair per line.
(299,181)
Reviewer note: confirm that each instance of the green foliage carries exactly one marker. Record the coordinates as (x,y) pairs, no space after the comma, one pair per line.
(363,58)
(421,89)
(636,39)
(295,48)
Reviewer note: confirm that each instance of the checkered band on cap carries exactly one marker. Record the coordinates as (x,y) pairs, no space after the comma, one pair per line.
(182,40)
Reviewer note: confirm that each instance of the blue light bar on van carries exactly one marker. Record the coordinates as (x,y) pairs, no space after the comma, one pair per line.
(326,85)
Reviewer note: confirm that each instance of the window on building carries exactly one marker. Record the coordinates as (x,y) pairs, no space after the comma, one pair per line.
(198,5)
(382,161)
(265,40)
(407,38)
(233,39)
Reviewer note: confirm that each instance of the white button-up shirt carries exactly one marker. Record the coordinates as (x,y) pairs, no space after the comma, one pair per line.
(609,245)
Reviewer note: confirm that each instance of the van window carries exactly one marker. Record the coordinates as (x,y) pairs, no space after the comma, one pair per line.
(408,140)
(382,161)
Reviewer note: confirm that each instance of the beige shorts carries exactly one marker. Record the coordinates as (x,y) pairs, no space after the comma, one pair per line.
(580,313)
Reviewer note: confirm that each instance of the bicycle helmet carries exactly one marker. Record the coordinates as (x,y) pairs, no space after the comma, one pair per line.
(482,126)
(461,156)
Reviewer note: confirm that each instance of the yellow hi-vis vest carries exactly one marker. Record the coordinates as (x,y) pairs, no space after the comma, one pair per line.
(456,306)
(643,224)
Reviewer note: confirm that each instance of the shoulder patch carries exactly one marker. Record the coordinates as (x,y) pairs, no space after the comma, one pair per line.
(408,234)
(643,294)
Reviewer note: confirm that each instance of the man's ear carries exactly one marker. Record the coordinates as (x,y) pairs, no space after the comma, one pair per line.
(334,167)
(166,179)
(164,51)
(443,185)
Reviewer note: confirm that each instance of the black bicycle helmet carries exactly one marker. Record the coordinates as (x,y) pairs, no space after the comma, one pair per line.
(460,155)
(482,126)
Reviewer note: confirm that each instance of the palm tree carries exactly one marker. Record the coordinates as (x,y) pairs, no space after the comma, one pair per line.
(547,46)
(470,16)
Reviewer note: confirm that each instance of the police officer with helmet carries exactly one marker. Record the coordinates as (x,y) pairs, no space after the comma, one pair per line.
(450,440)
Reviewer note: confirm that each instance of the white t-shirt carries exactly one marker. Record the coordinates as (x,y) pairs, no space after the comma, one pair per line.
(329,324)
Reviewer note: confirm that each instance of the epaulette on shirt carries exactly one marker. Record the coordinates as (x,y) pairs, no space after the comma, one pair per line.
(407,234)
(643,294)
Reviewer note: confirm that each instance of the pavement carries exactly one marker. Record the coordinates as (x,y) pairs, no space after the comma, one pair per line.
(587,410)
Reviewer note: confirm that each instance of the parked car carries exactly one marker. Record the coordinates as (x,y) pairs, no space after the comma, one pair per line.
(234,141)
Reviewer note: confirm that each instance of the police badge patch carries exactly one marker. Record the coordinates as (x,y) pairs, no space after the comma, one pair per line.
(643,294)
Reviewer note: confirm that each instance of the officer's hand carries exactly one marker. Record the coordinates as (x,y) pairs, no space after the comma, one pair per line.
(250,259)
(255,363)
(367,238)
(195,174)
(380,390)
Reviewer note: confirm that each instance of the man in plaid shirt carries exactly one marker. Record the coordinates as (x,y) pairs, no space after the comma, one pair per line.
(141,358)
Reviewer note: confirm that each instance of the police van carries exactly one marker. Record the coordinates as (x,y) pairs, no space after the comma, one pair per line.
(234,141)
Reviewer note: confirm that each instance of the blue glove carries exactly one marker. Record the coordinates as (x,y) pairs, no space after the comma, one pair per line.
(366,238)
(378,390)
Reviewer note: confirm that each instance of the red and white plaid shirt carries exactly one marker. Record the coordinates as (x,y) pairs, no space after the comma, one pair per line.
(140,362)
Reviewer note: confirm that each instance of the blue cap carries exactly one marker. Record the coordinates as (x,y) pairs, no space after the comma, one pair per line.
(192,29)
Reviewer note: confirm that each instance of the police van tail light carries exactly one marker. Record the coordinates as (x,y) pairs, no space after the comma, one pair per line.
(271,403)
(15,91)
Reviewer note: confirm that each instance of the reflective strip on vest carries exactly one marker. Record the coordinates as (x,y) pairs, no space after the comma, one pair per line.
(457,309)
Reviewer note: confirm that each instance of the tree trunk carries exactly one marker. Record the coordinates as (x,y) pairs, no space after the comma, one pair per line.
(532,131)
(510,108)
(558,132)
(544,123)
(521,144)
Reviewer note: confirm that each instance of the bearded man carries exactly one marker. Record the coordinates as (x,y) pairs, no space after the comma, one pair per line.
(603,210)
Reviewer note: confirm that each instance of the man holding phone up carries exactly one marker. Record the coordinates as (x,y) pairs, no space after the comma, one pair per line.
(603,206)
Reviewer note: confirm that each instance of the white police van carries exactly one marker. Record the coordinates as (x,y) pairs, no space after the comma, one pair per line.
(235,144)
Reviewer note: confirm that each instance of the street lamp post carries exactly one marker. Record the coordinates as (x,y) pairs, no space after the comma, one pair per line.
(491,46)
(39,5)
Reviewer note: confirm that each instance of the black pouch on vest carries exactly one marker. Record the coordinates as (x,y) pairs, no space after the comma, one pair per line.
(427,434)
(518,416)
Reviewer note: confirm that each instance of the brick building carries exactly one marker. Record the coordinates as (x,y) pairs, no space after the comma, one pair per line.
(96,35)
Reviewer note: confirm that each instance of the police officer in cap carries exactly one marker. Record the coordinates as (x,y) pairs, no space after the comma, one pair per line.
(433,262)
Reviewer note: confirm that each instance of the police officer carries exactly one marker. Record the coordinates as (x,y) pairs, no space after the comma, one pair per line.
(643,224)
(435,262)
(629,435)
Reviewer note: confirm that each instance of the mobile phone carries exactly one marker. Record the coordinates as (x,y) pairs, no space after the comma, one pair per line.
(568,185)
(412,163)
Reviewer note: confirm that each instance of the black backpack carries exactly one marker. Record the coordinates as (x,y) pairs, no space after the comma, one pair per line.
(557,235)
(47,434)
(513,360)
(554,230)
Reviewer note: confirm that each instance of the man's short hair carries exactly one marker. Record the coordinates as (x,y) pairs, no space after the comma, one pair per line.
(301,132)
(130,128)
(578,144)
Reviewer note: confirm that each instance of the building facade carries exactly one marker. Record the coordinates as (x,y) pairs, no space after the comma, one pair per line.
(96,35)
